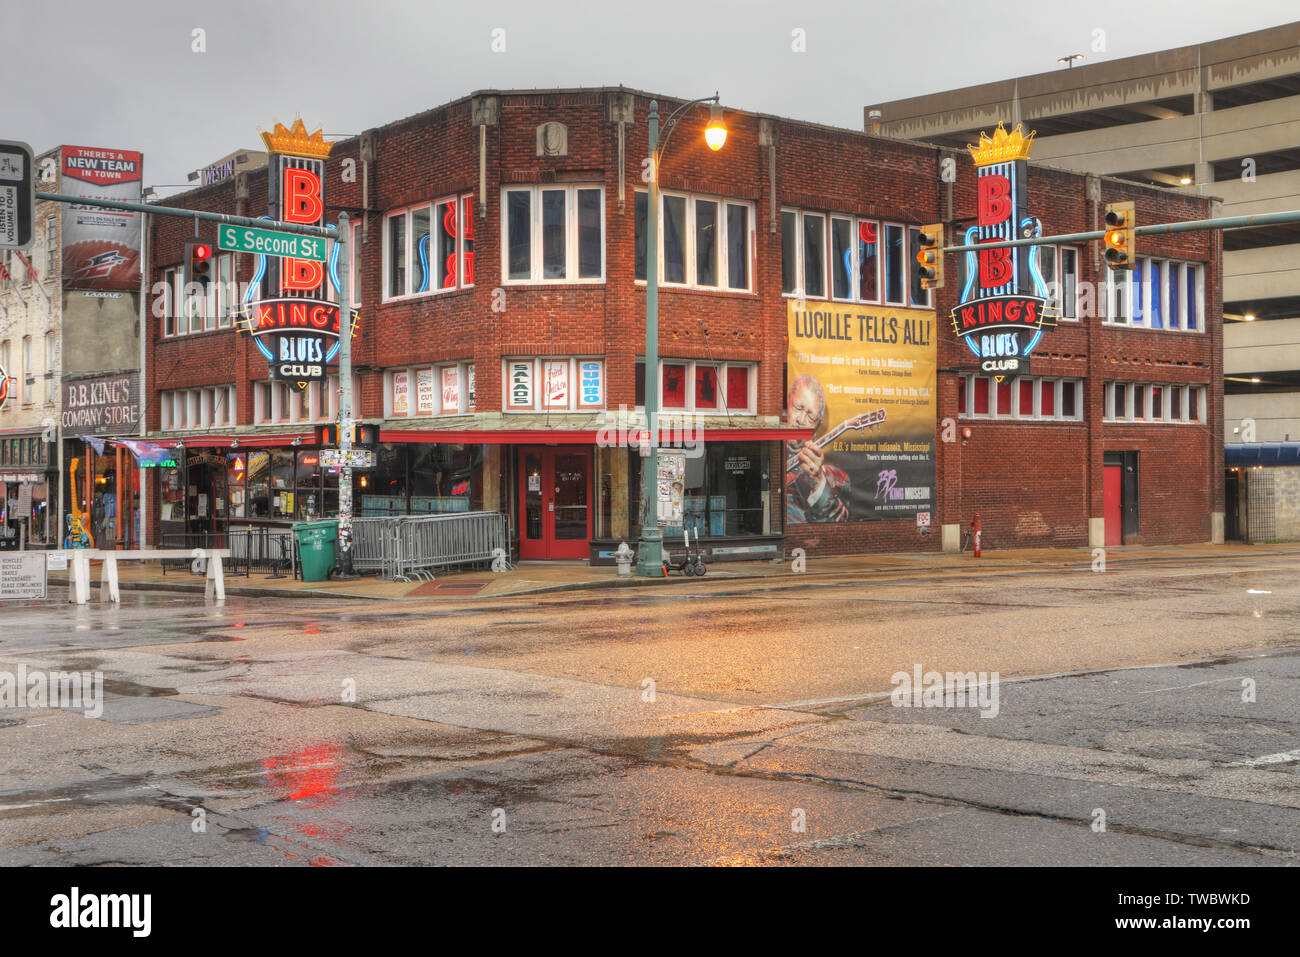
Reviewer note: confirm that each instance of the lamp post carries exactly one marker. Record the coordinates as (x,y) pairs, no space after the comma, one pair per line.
(650,553)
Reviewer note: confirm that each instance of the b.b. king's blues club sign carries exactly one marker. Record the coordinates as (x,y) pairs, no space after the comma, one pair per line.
(1005,303)
(296,331)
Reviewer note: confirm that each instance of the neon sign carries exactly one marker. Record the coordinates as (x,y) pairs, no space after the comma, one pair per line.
(297,332)
(1004,303)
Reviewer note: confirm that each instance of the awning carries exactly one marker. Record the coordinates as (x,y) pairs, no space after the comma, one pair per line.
(487,437)
(584,436)
(1249,454)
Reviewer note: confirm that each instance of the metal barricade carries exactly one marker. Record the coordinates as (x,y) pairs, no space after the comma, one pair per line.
(374,545)
(409,547)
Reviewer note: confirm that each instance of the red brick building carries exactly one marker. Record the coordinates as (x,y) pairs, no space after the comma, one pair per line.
(502,303)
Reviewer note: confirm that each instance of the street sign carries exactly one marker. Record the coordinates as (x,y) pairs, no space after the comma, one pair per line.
(353,458)
(22,575)
(268,242)
(17,195)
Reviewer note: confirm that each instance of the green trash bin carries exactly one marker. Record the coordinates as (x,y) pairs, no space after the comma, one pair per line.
(317,542)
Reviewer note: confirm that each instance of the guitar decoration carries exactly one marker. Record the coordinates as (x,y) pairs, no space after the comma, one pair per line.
(867,420)
(78,535)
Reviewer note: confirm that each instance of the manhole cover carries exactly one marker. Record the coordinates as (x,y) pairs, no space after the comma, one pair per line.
(10,722)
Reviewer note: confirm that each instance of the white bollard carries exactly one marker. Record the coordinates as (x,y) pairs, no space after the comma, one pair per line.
(109,590)
(216,580)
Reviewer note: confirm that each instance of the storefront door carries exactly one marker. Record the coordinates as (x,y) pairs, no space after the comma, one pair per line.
(555,502)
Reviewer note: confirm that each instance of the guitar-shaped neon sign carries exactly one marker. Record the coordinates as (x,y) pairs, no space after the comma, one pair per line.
(867,420)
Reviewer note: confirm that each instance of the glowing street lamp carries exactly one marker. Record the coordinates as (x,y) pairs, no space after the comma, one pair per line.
(650,552)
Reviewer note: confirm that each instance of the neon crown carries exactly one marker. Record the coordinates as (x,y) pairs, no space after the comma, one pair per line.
(1002,147)
(296,141)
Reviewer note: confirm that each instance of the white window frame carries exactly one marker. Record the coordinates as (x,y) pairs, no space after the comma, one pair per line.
(689,246)
(855,246)
(538,383)
(1017,414)
(202,407)
(1058,277)
(535,235)
(1188,393)
(412,255)
(725,406)
(24,392)
(463,404)
(1116,292)
(52,246)
(278,415)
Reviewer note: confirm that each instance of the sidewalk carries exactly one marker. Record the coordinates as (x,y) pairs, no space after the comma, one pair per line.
(542,577)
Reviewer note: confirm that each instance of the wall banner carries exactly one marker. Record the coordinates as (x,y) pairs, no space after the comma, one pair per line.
(101,247)
(864,378)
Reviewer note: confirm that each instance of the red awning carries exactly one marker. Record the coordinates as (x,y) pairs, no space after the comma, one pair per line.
(484,437)
(580,436)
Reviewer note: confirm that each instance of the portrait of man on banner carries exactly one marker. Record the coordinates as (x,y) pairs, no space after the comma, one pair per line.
(814,490)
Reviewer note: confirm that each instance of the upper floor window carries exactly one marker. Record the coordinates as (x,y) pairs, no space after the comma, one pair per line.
(840,257)
(707,388)
(1147,402)
(704,242)
(1025,397)
(427,249)
(1059,267)
(51,246)
(446,389)
(354,277)
(553,384)
(1157,294)
(283,403)
(209,407)
(553,234)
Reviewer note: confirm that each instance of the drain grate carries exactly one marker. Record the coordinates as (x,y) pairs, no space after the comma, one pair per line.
(10,722)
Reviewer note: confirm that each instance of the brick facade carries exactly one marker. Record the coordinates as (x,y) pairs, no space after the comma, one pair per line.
(1034,484)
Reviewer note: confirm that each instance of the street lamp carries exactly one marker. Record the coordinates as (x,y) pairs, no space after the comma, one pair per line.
(650,553)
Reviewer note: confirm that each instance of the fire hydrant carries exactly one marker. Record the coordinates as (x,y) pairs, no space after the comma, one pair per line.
(976,534)
(624,555)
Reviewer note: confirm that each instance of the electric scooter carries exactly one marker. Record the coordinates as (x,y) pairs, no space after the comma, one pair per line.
(693,561)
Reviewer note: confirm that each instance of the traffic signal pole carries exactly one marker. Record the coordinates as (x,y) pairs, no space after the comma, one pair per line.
(1190,226)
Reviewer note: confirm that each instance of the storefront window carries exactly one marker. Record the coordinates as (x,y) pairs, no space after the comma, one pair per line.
(383,489)
(259,496)
(308,500)
(446,478)
(724,491)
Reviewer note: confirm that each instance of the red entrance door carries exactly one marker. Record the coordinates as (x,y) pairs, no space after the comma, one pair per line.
(554,497)
(1112,504)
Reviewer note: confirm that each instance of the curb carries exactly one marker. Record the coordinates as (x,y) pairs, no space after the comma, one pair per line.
(242,591)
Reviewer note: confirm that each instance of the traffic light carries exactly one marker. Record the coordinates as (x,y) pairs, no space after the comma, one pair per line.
(362,435)
(929,257)
(198,263)
(1119,238)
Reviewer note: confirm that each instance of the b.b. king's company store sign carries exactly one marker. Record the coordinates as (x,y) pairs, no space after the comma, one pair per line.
(297,330)
(1004,303)
(103,405)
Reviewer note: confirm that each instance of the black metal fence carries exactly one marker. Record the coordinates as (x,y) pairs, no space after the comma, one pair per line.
(265,550)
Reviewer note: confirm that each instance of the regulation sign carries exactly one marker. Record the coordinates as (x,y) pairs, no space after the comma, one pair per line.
(22,575)
(268,242)
(17,195)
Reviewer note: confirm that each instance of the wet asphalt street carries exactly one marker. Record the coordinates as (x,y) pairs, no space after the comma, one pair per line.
(1147,715)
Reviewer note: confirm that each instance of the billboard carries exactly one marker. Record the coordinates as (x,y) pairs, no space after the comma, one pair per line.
(863,377)
(101,247)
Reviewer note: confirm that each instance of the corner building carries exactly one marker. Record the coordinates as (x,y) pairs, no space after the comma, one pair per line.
(499,280)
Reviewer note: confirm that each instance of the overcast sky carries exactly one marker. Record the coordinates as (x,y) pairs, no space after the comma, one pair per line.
(123,74)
